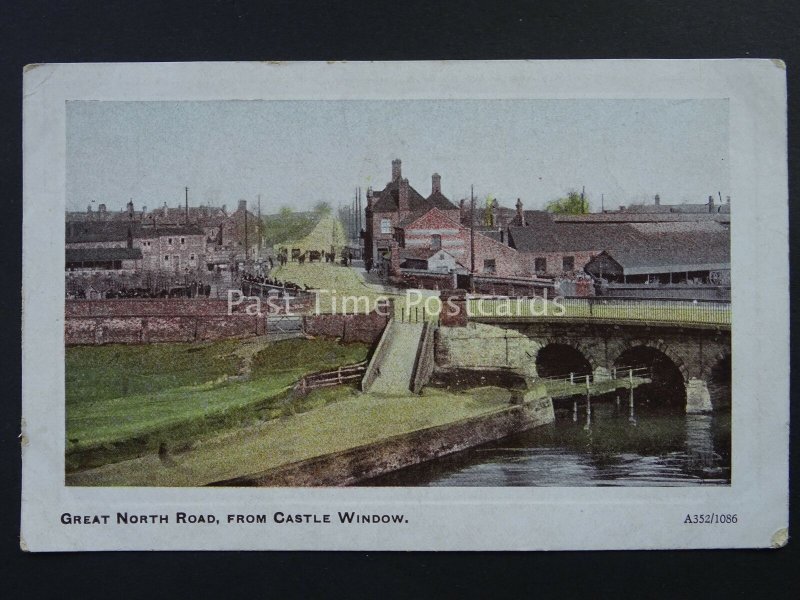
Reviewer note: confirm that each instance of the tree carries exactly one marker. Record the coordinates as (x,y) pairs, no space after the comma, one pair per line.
(322,208)
(488,211)
(574,204)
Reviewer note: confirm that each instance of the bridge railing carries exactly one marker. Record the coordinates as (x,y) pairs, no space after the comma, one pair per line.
(616,309)
(615,373)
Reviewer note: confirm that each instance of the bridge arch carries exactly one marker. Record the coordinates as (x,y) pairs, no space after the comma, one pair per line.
(669,375)
(560,357)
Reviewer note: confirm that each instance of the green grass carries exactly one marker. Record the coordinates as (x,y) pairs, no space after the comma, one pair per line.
(175,399)
(102,372)
(326,233)
(342,418)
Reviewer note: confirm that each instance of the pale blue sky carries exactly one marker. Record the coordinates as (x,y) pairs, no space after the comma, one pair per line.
(296,153)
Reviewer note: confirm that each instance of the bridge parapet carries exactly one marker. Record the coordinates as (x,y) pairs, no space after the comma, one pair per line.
(650,310)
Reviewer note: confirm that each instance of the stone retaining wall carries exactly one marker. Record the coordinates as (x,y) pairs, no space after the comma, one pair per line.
(364,462)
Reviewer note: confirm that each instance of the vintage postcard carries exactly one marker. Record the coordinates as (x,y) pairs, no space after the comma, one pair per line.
(405,306)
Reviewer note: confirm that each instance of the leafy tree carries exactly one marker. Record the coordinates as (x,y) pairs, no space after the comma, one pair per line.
(573,204)
(322,208)
(488,216)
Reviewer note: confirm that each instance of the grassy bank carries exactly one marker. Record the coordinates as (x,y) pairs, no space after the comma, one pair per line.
(124,401)
(354,419)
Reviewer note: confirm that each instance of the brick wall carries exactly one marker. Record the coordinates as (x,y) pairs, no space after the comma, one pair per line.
(141,321)
(365,328)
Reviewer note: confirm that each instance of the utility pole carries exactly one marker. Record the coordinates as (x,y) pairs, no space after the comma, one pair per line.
(259,225)
(602,203)
(187,204)
(246,248)
(472,233)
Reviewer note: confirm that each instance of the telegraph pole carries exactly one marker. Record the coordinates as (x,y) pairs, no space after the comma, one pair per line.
(246,249)
(187,204)
(259,225)
(472,232)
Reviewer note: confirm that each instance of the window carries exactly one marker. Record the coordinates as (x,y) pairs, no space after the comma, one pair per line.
(183,241)
(568,263)
(436,241)
(169,241)
(489,266)
(191,257)
(386,226)
(166,258)
(540,264)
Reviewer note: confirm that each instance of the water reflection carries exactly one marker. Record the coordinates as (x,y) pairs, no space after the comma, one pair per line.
(602,444)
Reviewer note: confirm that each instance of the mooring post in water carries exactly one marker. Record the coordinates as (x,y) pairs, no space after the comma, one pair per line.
(588,413)
(631,418)
(572,378)
(575,411)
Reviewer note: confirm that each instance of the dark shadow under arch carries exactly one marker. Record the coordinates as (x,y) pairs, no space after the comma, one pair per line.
(668,387)
(557,360)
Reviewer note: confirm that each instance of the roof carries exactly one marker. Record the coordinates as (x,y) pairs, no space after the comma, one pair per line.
(100,231)
(675,251)
(387,199)
(114,231)
(571,237)
(636,217)
(162,230)
(101,254)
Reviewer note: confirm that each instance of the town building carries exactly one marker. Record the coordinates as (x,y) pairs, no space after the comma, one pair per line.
(667,253)
(395,206)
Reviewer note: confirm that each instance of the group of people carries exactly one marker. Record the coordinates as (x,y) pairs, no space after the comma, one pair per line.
(194,289)
(270,281)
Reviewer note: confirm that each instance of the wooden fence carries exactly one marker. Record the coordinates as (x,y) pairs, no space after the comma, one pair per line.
(338,376)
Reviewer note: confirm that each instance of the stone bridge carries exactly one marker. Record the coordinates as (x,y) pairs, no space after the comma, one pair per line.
(691,362)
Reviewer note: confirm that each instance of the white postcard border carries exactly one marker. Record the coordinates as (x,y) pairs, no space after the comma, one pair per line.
(438,519)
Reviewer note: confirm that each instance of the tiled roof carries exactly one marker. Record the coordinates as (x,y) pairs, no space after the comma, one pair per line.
(114,231)
(101,254)
(440,201)
(677,251)
(571,237)
(633,217)
(99,231)
(387,200)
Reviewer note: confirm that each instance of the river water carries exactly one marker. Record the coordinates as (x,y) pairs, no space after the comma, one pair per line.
(658,447)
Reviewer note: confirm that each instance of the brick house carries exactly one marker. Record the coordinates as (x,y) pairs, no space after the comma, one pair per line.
(397,205)
(435,231)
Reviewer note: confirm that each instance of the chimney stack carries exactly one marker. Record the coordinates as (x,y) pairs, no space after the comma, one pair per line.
(89,209)
(711,204)
(436,184)
(727,199)
(370,198)
(396,172)
(402,196)
(243,205)
(520,213)
(130,209)
(658,200)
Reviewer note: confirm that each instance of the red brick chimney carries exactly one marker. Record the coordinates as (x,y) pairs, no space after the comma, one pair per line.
(520,213)
(436,184)
(402,196)
(396,172)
